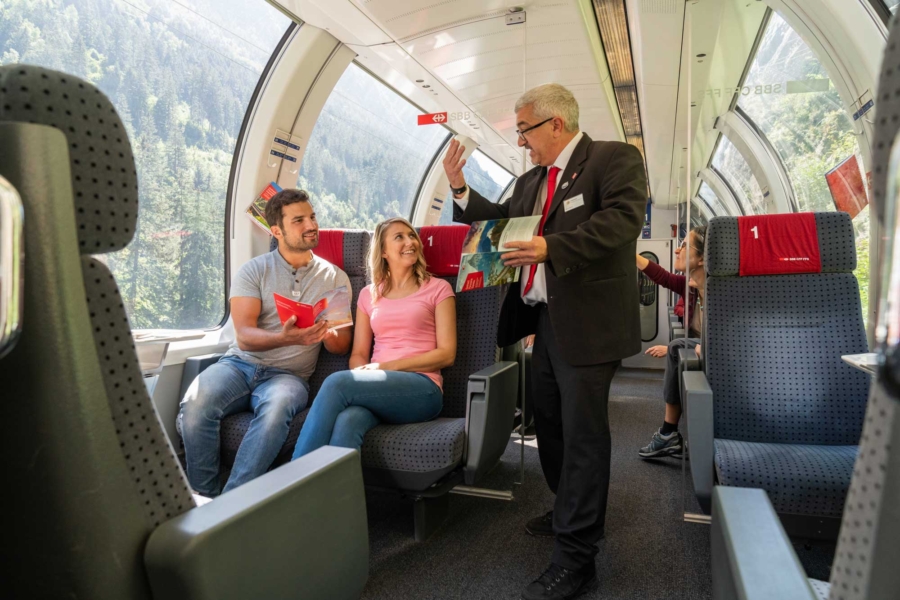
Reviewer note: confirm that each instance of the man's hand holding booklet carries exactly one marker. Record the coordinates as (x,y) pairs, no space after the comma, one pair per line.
(333,306)
(481,264)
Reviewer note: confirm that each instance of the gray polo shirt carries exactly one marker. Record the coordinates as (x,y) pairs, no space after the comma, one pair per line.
(268,274)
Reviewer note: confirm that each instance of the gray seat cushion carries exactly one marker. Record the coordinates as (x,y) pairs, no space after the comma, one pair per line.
(234,428)
(413,456)
(821,588)
(800,479)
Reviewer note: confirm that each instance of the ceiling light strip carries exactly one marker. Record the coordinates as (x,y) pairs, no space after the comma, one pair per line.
(612,20)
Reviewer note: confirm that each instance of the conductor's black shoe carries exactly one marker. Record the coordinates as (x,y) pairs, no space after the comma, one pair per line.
(559,583)
(542,526)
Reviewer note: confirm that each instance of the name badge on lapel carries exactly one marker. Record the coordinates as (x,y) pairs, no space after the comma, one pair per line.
(573,202)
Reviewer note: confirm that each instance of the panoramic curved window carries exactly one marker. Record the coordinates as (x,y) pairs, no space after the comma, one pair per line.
(485,176)
(367,154)
(733,168)
(181,82)
(712,200)
(801,114)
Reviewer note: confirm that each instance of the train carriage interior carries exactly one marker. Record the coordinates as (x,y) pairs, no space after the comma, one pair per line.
(140,141)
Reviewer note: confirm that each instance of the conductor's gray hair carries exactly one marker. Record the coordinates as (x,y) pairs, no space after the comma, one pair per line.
(551,100)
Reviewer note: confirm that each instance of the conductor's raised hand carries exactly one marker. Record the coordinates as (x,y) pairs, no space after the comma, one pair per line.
(296,336)
(526,253)
(454,163)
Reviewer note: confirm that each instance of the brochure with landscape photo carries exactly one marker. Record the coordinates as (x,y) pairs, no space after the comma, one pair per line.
(257,209)
(480,264)
(332,306)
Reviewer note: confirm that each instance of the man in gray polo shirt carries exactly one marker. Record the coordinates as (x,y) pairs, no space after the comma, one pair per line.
(267,367)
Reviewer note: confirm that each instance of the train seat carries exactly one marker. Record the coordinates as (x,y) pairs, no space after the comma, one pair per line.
(747,538)
(777,408)
(89,460)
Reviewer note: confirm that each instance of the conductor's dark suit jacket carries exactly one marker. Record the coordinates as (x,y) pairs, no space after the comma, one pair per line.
(592,291)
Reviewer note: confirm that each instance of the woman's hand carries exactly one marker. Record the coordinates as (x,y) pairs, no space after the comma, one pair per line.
(699,353)
(528,342)
(369,367)
(657,351)
(641,262)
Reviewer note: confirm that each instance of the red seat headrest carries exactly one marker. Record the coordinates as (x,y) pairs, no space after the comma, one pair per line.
(779,244)
(331,246)
(442,246)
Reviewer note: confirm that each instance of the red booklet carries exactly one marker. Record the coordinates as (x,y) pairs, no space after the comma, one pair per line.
(332,306)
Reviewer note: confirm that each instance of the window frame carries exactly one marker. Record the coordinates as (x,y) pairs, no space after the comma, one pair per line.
(738,198)
(236,158)
(881,9)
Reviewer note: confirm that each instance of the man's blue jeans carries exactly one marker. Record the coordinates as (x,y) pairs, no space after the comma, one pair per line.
(231,386)
(350,403)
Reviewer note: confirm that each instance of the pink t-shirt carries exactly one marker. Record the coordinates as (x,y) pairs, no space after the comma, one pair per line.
(405,327)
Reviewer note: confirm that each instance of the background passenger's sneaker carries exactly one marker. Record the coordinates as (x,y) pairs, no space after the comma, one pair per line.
(663,445)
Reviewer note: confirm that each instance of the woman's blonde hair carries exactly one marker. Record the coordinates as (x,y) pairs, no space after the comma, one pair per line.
(379,272)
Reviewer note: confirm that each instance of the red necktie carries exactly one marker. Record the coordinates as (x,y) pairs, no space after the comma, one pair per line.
(551,189)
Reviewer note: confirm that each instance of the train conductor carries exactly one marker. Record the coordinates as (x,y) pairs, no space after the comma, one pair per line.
(577,292)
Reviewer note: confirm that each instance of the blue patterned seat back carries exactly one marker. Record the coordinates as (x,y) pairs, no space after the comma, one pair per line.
(774,343)
(477,316)
(356,246)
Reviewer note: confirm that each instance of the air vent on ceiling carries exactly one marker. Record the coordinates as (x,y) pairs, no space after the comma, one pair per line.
(659,7)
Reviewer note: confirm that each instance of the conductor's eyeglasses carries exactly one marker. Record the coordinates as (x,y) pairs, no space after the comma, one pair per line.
(521,133)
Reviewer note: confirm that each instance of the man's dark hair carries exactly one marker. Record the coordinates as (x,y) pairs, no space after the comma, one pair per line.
(283,198)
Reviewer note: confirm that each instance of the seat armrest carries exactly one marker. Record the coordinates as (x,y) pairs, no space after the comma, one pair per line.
(676,333)
(490,411)
(688,360)
(296,532)
(698,406)
(193,366)
(752,557)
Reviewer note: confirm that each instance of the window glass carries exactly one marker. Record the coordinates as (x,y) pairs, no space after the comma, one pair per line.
(483,175)
(892,5)
(367,154)
(731,165)
(698,219)
(712,200)
(181,75)
(801,114)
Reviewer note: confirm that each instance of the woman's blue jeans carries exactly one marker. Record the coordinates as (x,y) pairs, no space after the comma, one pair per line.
(350,403)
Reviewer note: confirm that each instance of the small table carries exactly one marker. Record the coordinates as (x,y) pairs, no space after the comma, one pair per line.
(152,346)
(867,362)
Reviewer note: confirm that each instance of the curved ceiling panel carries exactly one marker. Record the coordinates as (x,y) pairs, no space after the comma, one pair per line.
(489,64)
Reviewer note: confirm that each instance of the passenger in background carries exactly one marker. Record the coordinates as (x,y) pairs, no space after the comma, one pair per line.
(268,365)
(667,441)
(411,316)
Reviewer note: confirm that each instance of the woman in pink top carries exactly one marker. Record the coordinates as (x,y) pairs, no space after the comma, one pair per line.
(412,318)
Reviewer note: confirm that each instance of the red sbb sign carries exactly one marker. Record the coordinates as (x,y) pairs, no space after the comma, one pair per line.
(433,119)
(474,281)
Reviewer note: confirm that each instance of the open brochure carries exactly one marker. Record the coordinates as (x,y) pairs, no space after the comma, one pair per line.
(332,306)
(257,209)
(480,264)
